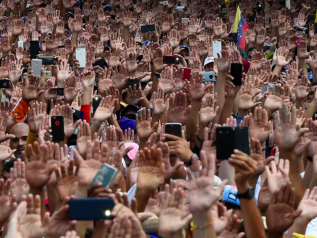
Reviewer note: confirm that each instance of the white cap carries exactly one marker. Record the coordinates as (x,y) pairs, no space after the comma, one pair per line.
(209,60)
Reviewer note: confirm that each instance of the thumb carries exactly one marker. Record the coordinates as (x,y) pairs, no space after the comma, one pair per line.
(187,219)
(302,131)
(177,166)
(77,123)
(145,216)
(40,92)
(268,160)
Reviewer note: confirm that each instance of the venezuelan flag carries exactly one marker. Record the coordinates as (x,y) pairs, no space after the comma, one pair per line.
(239,28)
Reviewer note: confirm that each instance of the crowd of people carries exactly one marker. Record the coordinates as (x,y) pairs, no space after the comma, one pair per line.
(122,102)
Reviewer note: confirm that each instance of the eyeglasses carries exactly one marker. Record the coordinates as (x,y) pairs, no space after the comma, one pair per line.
(16,140)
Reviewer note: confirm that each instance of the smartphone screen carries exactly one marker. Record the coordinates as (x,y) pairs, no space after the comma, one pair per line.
(101,63)
(173,129)
(170,59)
(186,75)
(60,91)
(236,73)
(57,123)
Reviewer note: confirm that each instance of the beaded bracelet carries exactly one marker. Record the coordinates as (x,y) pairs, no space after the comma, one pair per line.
(192,225)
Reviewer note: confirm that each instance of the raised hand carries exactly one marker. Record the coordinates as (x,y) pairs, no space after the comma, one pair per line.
(38,171)
(7,202)
(105,109)
(30,88)
(208,111)
(134,96)
(277,178)
(286,135)
(83,135)
(69,125)
(159,105)
(259,127)
(178,111)
(280,215)
(245,100)
(18,186)
(151,172)
(171,219)
(6,112)
(143,124)
(166,81)
(35,115)
(201,187)
(66,181)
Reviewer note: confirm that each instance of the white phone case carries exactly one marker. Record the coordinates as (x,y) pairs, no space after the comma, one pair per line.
(216,49)
(20,44)
(47,75)
(81,57)
(36,66)
(185,20)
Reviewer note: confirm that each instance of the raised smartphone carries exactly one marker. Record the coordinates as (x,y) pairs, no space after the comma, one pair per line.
(47,75)
(87,209)
(57,123)
(101,63)
(241,139)
(209,76)
(236,73)
(186,75)
(170,59)
(185,20)
(37,66)
(20,44)
(47,60)
(173,129)
(181,8)
(60,92)
(225,142)
(147,28)
(5,83)
(34,49)
(95,103)
(81,57)
(105,175)
(216,49)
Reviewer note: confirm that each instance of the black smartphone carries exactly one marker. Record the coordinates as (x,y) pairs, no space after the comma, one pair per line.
(251,18)
(236,73)
(311,17)
(88,209)
(170,59)
(139,58)
(224,142)
(135,2)
(113,17)
(241,139)
(60,92)
(47,60)
(5,83)
(34,49)
(282,3)
(57,123)
(101,63)
(95,103)
(147,28)
(173,129)
(132,82)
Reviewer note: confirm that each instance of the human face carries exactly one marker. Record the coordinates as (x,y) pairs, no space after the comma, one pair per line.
(19,142)
(209,67)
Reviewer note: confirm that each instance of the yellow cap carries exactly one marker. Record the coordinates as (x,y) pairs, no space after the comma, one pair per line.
(296,235)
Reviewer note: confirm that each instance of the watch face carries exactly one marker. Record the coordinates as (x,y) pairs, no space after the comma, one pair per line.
(251,192)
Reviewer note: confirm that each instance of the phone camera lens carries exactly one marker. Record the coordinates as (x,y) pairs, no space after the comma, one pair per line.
(57,123)
(211,76)
(4,84)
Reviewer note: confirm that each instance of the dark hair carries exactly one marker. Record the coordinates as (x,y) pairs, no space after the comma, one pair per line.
(250,49)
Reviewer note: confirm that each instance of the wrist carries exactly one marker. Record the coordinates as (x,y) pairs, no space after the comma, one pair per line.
(202,219)
(243,186)
(242,112)
(36,191)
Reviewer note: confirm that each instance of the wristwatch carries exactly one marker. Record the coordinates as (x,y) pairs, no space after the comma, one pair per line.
(248,194)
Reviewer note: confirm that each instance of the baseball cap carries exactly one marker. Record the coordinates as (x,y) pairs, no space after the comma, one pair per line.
(209,60)
(146,43)
(109,6)
(241,51)
(128,107)
(126,123)
(230,195)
